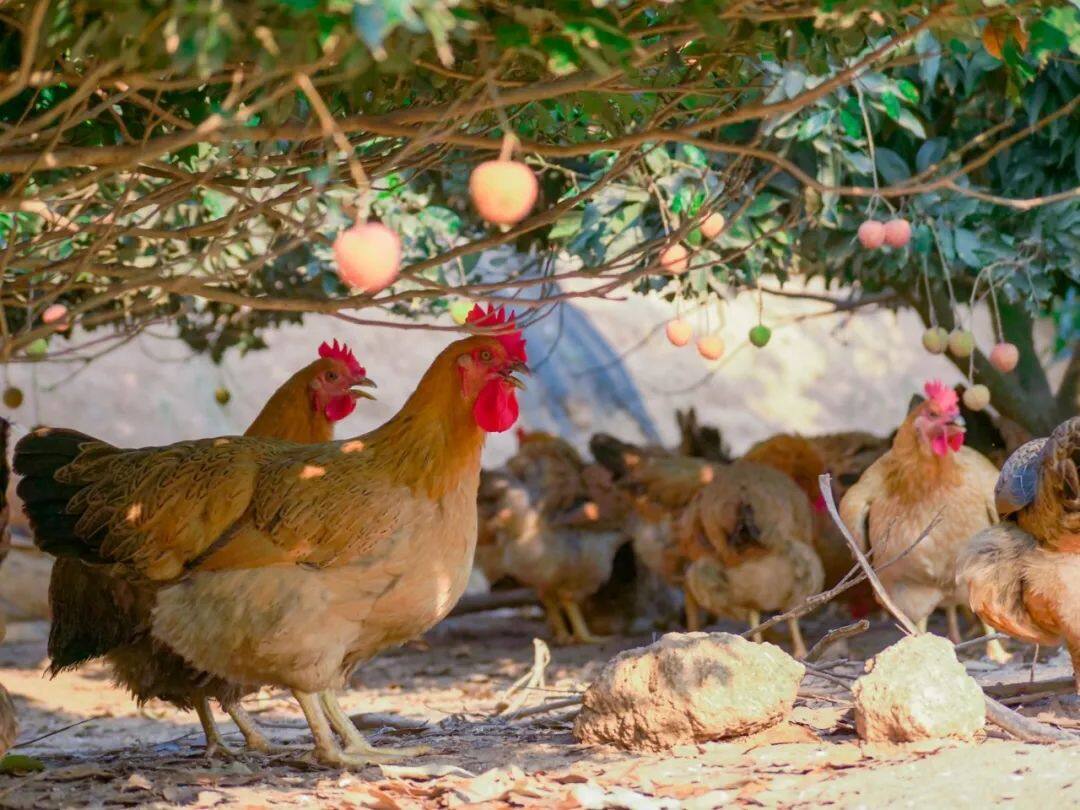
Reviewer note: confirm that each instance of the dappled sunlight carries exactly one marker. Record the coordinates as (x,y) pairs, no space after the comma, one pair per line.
(312,471)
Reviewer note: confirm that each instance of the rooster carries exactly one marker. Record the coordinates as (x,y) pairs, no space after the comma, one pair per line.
(9,727)
(1019,574)
(928,473)
(749,538)
(285,564)
(557,526)
(98,614)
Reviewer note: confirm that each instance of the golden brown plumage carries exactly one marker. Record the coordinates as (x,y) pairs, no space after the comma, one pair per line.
(304,560)
(927,474)
(557,526)
(99,613)
(749,536)
(1022,576)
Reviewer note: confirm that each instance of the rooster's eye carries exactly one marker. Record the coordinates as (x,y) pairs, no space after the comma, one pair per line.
(331,375)
(485,356)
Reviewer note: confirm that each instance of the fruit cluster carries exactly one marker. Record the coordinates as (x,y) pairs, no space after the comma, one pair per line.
(895,233)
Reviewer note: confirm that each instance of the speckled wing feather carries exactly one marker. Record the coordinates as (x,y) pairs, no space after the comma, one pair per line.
(1019,478)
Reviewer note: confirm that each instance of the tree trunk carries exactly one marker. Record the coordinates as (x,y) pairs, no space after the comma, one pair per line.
(1068,395)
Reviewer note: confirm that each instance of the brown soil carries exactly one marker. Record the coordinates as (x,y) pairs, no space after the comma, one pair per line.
(118,755)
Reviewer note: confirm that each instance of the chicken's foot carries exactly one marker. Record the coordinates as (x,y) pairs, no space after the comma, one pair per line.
(355,742)
(798,645)
(556,621)
(754,617)
(254,739)
(922,623)
(995,650)
(215,743)
(953,619)
(693,611)
(580,627)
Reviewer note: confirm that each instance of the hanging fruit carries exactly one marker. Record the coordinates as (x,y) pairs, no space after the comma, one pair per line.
(13,397)
(368,256)
(935,340)
(459,311)
(503,191)
(675,259)
(710,347)
(897,233)
(712,226)
(678,332)
(222,395)
(54,313)
(760,335)
(1004,357)
(977,397)
(872,234)
(961,343)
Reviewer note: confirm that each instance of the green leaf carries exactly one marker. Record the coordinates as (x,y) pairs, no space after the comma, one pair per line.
(912,124)
(908,90)
(567,226)
(892,167)
(16,764)
(851,122)
(511,35)
(892,106)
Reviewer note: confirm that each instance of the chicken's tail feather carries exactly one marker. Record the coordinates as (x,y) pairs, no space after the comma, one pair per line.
(38,457)
(992,569)
(1065,462)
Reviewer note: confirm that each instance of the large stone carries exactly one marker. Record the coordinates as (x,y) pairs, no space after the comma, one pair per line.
(917,690)
(688,688)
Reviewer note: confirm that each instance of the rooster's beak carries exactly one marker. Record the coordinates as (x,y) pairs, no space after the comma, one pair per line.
(517,366)
(364,382)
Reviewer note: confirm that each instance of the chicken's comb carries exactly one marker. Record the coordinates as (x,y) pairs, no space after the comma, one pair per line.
(944,397)
(344,354)
(504,328)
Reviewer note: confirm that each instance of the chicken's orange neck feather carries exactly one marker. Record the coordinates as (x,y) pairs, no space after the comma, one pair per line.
(288,414)
(433,443)
(912,470)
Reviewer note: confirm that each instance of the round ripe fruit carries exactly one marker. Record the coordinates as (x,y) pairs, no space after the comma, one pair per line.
(897,233)
(675,259)
(760,335)
(54,313)
(1004,357)
(710,347)
(713,225)
(222,395)
(678,332)
(961,343)
(871,234)
(459,311)
(993,40)
(977,397)
(13,397)
(935,340)
(503,191)
(368,256)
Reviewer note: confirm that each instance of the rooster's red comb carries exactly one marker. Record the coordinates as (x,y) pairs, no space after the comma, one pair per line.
(344,354)
(504,328)
(944,397)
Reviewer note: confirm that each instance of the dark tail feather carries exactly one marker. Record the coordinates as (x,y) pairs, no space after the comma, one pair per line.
(38,456)
(5,479)
(611,453)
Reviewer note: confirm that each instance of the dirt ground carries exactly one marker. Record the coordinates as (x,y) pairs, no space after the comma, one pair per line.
(444,693)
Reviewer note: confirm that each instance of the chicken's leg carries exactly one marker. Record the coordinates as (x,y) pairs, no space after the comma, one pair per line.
(215,744)
(578,624)
(556,622)
(995,650)
(953,623)
(254,739)
(754,617)
(798,646)
(921,624)
(693,611)
(355,742)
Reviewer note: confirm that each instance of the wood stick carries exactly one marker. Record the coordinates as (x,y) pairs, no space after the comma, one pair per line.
(1023,728)
(496,600)
(835,635)
(1057,686)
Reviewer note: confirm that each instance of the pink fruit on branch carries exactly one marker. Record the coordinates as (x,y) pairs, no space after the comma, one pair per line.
(503,191)
(368,256)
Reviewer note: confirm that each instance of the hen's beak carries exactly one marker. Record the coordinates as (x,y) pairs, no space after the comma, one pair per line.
(364,382)
(516,367)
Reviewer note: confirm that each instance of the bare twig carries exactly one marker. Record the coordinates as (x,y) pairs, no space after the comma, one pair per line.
(835,635)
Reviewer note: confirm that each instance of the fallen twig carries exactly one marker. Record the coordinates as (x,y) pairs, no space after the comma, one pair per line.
(550,706)
(496,600)
(835,635)
(1023,728)
(980,640)
(535,678)
(1057,686)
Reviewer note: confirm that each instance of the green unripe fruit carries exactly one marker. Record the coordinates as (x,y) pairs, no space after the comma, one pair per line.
(961,343)
(935,340)
(13,397)
(222,396)
(760,335)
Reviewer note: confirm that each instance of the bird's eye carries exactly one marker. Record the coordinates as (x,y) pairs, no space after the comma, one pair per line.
(485,355)
(331,375)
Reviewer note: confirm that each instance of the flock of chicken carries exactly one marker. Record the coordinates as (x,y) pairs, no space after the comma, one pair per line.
(207,569)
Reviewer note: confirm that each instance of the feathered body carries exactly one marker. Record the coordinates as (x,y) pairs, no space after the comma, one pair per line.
(927,474)
(749,537)
(1022,576)
(100,612)
(282,563)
